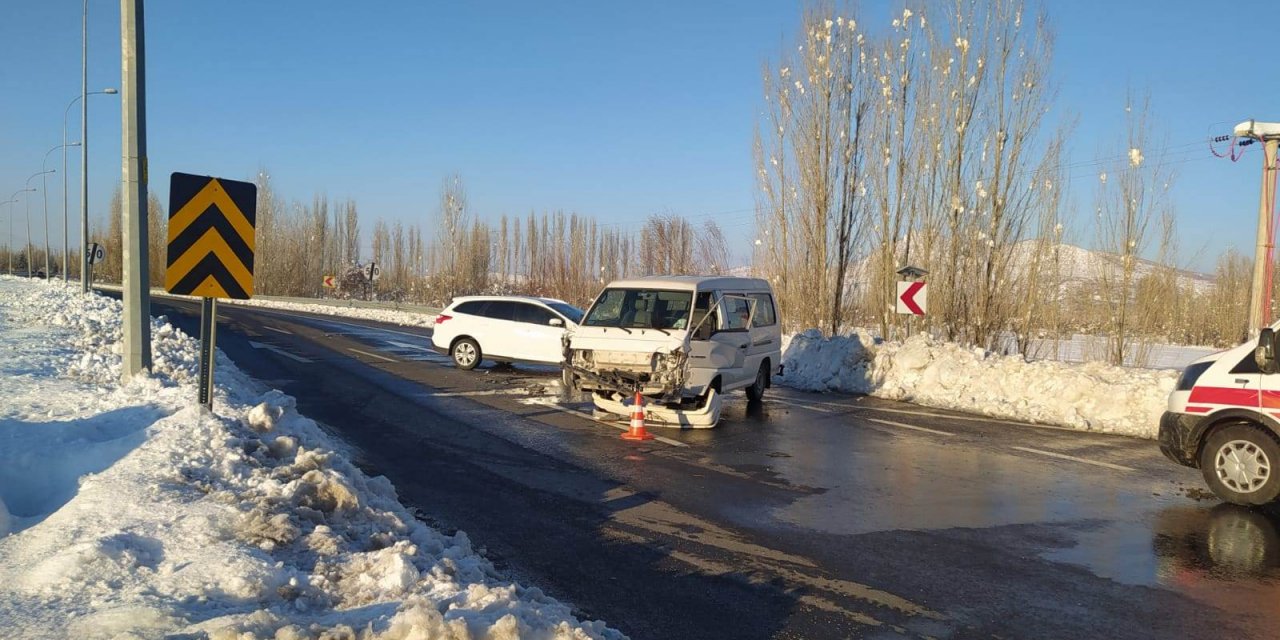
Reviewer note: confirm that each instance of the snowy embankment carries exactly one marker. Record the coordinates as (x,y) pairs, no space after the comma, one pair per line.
(125,513)
(1090,396)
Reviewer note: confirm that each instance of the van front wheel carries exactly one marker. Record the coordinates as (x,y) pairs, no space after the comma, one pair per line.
(1240,463)
(755,392)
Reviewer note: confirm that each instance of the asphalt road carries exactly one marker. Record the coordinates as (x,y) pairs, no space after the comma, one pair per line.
(807,516)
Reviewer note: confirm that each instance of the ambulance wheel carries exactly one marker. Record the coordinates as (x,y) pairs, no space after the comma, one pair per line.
(1241,462)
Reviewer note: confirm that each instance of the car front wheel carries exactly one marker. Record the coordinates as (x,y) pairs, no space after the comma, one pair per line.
(1240,463)
(466,354)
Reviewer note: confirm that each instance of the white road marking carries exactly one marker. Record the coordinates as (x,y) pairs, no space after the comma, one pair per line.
(483,392)
(801,406)
(910,426)
(277,350)
(1064,456)
(415,347)
(287,333)
(372,355)
(588,416)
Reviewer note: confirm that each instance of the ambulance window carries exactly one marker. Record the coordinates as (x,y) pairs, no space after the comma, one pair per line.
(1247,365)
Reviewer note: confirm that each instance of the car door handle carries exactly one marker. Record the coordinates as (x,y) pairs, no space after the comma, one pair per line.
(744,345)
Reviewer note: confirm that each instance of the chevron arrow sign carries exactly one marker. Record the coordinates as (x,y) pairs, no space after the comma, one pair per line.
(211,237)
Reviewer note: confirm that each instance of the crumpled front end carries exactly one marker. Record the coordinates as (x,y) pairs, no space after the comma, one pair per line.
(658,375)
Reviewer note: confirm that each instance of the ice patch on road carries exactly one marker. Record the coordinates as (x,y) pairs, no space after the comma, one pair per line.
(1091,396)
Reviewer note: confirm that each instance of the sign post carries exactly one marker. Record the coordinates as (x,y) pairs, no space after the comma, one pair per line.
(94,254)
(211,252)
(371,274)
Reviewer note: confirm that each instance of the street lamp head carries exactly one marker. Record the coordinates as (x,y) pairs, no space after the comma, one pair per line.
(111,91)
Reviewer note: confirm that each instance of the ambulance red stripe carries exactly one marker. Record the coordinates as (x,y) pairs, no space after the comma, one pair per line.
(1234,396)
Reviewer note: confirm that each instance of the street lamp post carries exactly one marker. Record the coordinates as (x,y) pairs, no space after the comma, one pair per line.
(27,202)
(45,186)
(9,238)
(84,222)
(10,218)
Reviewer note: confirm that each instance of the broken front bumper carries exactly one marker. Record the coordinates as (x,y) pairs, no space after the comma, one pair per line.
(657,415)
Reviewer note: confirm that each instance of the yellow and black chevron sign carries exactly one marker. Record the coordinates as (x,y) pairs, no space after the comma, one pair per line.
(211,237)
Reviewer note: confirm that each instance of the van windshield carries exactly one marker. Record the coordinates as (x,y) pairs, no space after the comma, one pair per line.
(640,309)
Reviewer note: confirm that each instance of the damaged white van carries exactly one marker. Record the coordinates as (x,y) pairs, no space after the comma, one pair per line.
(1223,417)
(681,341)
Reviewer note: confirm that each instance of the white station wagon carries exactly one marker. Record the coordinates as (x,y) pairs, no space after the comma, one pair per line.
(504,329)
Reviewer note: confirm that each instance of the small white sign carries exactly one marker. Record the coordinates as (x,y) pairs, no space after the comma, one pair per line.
(96,253)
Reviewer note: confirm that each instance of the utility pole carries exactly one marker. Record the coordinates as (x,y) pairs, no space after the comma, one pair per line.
(1268,133)
(84,148)
(137,286)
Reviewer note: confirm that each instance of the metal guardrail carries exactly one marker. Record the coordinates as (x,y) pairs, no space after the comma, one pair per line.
(328,302)
(354,304)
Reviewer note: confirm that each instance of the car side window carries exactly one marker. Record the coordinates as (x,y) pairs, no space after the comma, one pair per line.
(472,308)
(500,310)
(765,315)
(533,314)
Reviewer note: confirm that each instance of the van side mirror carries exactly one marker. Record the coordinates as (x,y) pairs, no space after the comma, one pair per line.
(556,322)
(1265,353)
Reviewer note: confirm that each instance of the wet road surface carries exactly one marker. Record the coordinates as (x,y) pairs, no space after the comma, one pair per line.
(806,516)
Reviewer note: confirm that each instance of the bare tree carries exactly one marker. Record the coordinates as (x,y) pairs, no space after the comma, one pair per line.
(809,162)
(1131,197)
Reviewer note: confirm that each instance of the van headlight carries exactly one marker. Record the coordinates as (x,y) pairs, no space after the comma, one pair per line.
(1191,374)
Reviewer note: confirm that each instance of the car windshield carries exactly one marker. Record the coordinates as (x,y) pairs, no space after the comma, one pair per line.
(640,309)
(569,311)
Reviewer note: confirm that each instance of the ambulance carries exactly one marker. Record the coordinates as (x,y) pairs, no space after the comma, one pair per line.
(1223,417)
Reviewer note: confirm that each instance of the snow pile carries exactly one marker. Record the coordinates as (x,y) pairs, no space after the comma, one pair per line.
(1091,396)
(131,515)
(390,316)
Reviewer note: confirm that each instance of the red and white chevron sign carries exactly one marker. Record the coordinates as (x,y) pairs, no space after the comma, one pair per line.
(913,298)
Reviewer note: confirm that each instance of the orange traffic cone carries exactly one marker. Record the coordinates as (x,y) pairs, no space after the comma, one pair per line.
(637,431)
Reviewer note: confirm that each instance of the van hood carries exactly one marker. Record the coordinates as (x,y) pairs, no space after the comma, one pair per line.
(616,339)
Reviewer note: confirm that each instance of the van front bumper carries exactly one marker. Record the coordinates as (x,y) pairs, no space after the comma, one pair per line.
(1176,442)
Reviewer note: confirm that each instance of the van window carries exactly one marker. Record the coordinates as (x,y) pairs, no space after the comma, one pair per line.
(765,315)
(640,309)
(737,313)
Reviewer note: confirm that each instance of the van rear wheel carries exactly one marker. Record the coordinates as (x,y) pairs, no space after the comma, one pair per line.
(1240,462)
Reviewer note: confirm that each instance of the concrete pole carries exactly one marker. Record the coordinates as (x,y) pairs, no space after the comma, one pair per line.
(66,248)
(44,187)
(27,206)
(1259,315)
(84,148)
(137,287)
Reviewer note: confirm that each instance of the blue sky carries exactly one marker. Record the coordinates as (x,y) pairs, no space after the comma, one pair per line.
(617,110)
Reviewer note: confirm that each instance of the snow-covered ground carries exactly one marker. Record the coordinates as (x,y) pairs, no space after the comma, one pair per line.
(391,316)
(1090,396)
(125,513)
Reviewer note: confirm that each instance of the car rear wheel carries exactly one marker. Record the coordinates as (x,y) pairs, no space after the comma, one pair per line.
(755,392)
(1240,463)
(466,354)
